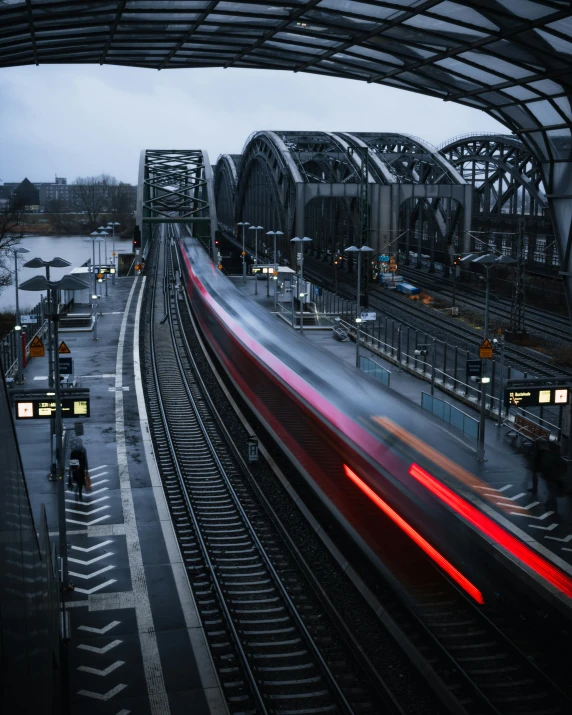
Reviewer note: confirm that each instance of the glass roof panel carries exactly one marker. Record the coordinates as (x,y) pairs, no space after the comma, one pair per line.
(556,42)
(432,24)
(462,13)
(526,8)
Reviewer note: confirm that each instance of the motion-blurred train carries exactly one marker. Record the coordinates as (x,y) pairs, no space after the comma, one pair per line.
(389,475)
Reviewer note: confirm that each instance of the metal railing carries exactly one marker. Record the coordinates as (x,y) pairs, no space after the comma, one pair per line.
(375,370)
(451,415)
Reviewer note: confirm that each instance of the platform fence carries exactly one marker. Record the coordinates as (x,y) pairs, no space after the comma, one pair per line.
(375,370)
(451,415)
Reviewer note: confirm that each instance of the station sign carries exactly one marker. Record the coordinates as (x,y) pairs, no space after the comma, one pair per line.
(253,449)
(536,396)
(104,269)
(368,316)
(28,319)
(66,365)
(383,258)
(36,348)
(474,369)
(41,404)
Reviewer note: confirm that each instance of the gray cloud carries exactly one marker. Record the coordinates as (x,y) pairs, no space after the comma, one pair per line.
(83,120)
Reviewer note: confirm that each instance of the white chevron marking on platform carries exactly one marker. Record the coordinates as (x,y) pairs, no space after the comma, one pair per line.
(517,506)
(89,523)
(95,483)
(94,573)
(98,476)
(102,650)
(565,540)
(101,466)
(544,528)
(91,561)
(103,672)
(88,511)
(522,494)
(124,712)
(531,516)
(99,631)
(105,696)
(89,591)
(492,489)
(92,548)
(74,501)
(96,491)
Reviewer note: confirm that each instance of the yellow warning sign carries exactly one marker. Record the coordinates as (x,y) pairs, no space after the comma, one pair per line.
(114,254)
(36,348)
(63,349)
(486,350)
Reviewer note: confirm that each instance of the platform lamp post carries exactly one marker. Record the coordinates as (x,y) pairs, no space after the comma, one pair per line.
(20,373)
(256,229)
(111,227)
(93,237)
(54,263)
(244,224)
(487,260)
(301,293)
(275,275)
(104,234)
(355,249)
(40,283)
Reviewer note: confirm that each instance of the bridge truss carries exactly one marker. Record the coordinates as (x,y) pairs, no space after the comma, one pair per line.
(340,189)
(176,187)
(508,198)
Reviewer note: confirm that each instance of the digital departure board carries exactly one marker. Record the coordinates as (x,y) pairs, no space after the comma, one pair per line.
(41,408)
(536,396)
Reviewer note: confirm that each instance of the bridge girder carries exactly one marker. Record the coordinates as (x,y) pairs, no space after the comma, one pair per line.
(176,186)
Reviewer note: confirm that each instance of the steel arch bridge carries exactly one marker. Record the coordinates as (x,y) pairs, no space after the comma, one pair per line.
(508,193)
(343,189)
(509,58)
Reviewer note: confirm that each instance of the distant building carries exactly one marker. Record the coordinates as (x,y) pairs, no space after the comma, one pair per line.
(40,196)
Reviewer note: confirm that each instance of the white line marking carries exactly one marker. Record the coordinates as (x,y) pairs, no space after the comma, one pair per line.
(88,512)
(492,489)
(544,528)
(531,516)
(97,491)
(102,650)
(99,631)
(95,376)
(93,573)
(124,712)
(565,540)
(98,476)
(101,466)
(89,591)
(209,680)
(92,548)
(518,506)
(522,494)
(88,523)
(97,482)
(91,561)
(105,696)
(149,647)
(105,671)
(74,501)
(41,377)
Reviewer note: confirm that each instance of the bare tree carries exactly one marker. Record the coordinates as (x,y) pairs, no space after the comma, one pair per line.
(10,235)
(91,194)
(121,204)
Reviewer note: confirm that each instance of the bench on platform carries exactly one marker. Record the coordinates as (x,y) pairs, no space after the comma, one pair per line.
(340,334)
(523,427)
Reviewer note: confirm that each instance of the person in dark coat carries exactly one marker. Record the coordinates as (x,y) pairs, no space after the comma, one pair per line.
(78,453)
(539,447)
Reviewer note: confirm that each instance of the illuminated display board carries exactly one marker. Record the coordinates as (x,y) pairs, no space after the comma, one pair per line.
(33,409)
(536,396)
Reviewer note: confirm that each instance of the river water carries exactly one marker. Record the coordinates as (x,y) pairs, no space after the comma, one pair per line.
(74,249)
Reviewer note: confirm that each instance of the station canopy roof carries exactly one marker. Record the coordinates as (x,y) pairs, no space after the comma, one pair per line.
(512,58)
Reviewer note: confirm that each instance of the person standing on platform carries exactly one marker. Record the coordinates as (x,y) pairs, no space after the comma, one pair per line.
(78,457)
(536,464)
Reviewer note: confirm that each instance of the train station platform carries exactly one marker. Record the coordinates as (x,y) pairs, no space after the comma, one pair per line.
(542,519)
(137,645)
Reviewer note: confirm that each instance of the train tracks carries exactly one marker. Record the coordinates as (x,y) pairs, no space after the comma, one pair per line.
(539,321)
(274,648)
(425,320)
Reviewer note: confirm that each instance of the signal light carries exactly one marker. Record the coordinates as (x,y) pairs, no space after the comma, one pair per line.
(136,237)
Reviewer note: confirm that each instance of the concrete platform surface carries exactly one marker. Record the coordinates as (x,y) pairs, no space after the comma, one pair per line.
(137,645)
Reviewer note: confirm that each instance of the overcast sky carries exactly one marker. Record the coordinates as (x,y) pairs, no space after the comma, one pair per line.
(86,120)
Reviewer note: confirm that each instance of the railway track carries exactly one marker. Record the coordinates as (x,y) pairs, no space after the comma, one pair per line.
(426,320)
(274,648)
(539,321)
